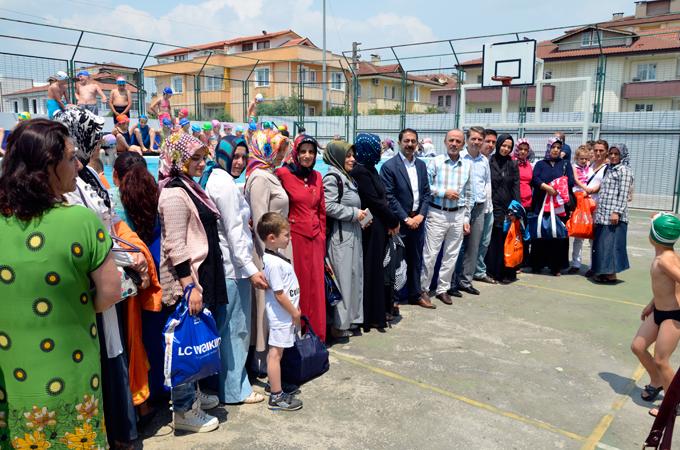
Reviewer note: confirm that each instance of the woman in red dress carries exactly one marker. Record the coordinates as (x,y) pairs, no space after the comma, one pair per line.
(307,217)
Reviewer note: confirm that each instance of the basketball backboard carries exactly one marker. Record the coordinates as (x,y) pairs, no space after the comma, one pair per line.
(515,59)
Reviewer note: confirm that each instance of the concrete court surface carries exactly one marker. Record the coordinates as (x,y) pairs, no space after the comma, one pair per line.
(540,364)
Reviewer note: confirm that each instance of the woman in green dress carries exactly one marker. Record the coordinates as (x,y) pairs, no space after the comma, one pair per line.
(52,257)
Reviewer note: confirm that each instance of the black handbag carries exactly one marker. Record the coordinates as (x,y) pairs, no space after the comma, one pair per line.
(333,294)
(306,359)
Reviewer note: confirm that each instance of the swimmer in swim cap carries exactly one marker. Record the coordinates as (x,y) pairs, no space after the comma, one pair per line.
(661,317)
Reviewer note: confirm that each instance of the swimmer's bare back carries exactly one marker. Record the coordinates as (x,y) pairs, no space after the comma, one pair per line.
(665,273)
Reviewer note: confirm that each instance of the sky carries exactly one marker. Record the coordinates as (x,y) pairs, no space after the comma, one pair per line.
(373,23)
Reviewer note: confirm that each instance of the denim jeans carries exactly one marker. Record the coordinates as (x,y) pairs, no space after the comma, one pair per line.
(480,270)
(183,397)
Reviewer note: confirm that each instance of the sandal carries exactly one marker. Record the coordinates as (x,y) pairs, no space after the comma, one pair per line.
(254,397)
(655,411)
(650,393)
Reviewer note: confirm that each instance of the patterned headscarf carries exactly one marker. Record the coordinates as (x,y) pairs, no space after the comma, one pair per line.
(224,156)
(294,164)
(176,153)
(336,154)
(549,145)
(264,148)
(367,149)
(84,127)
(515,152)
(625,155)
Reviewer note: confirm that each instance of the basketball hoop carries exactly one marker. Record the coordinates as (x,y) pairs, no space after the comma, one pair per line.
(504,80)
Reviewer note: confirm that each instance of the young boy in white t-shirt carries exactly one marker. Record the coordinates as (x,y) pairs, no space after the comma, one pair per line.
(282,299)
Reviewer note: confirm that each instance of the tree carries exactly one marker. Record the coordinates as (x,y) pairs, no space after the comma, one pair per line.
(289,106)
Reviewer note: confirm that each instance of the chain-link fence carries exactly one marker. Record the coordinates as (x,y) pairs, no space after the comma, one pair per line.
(621,84)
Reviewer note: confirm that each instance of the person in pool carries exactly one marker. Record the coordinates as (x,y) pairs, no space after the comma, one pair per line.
(661,317)
(144,135)
(120,100)
(162,104)
(56,93)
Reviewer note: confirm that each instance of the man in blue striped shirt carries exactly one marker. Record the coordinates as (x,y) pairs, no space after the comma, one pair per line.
(448,218)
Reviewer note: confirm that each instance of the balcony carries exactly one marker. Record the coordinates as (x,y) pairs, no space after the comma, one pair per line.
(493,95)
(650,89)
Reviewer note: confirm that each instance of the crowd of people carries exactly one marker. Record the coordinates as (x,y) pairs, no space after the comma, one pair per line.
(257,257)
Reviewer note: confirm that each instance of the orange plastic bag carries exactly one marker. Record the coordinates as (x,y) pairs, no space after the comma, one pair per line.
(580,224)
(513,250)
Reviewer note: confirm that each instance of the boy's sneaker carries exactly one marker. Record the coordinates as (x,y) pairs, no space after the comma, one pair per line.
(195,420)
(206,401)
(287,388)
(284,402)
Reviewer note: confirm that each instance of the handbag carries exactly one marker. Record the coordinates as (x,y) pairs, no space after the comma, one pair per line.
(541,227)
(580,224)
(333,294)
(306,359)
(192,345)
(513,250)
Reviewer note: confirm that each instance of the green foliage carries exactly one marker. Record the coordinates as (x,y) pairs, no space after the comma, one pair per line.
(338,111)
(280,107)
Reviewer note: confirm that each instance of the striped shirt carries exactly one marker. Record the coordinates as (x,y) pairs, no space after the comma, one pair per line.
(444,174)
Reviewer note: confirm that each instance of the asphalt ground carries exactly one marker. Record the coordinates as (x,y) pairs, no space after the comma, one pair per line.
(540,364)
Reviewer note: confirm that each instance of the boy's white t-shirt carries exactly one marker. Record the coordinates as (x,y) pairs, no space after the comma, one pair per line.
(281,277)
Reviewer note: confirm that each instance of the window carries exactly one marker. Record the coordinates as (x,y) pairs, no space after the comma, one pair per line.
(641,107)
(183,57)
(394,92)
(530,109)
(312,111)
(212,83)
(34,103)
(177,87)
(385,92)
(484,110)
(545,109)
(440,101)
(262,77)
(479,79)
(262,45)
(589,38)
(247,47)
(646,72)
(448,100)
(16,107)
(336,81)
(547,75)
(414,94)
(24,102)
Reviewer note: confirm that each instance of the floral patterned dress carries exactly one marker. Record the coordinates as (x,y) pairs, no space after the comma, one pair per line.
(50,393)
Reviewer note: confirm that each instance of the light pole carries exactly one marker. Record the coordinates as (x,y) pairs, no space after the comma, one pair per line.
(323,70)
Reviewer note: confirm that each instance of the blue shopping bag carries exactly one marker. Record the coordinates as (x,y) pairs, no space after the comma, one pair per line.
(306,359)
(192,345)
(546,227)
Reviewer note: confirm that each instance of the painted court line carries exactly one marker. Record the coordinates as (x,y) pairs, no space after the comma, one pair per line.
(578,294)
(601,428)
(477,404)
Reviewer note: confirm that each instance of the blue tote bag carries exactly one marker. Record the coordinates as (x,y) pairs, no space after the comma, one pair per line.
(306,359)
(192,345)
(546,227)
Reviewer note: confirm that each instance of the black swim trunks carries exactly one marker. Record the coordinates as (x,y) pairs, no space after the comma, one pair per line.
(660,316)
(120,109)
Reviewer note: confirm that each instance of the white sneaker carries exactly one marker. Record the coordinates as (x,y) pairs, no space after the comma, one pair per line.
(206,401)
(195,420)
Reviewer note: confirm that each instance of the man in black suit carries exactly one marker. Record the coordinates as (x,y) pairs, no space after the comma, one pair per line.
(408,193)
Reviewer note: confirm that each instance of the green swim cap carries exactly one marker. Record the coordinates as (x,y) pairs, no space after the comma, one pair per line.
(207,126)
(665,229)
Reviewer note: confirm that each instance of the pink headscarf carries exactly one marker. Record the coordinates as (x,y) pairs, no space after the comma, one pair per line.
(175,154)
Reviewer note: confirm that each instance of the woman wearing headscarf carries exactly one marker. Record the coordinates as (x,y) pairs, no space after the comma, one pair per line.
(553,253)
(264,193)
(343,243)
(611,217)
(307,217)
(119,412)
(236,242)
(190,258)
(504,189)
(377,299)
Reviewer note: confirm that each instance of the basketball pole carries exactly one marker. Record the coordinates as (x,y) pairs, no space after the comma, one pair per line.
(504,103)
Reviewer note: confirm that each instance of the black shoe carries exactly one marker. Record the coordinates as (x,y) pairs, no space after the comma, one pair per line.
(468,289)
(284,402)
(453,292)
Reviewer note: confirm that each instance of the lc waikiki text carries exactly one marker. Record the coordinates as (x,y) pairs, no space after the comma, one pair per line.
(199,349)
